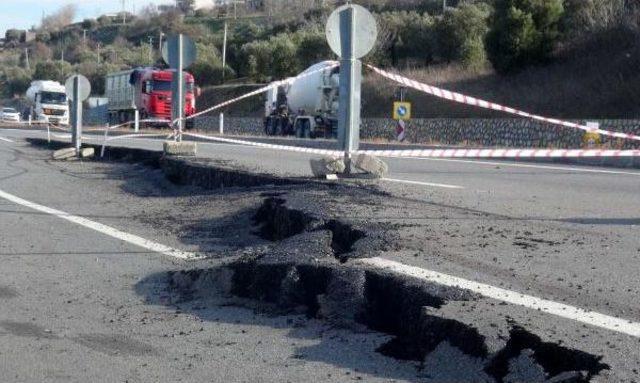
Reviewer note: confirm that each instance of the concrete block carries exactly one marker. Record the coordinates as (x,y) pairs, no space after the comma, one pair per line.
(326,166)
(371,165)
(184,148)
(63,154)
(87,152)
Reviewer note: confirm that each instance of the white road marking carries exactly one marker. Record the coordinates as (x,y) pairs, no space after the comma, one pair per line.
(423,183)
(6,139)
(104,229)
(554,308)
(516,165)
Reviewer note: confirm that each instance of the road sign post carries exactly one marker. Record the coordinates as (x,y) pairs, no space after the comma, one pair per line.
(77,88)
(351,33)
(179,52)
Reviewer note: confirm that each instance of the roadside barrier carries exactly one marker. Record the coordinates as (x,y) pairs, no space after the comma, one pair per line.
(468,100)
(440,153)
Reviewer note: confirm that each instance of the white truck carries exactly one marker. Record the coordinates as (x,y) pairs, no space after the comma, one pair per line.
(307,107)
(48,102)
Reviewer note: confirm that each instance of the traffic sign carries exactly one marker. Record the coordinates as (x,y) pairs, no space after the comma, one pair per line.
(171,52)
(401,110)
(365,28)
(84,87)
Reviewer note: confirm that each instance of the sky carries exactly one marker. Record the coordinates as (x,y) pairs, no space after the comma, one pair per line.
(22,14)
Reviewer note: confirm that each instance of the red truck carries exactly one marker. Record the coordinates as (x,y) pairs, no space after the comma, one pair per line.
(149,91)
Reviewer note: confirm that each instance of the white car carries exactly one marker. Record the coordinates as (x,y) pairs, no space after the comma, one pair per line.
(9,114)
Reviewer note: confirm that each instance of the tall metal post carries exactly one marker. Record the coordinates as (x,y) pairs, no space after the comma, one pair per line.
(177,94)
(350,89)
(136,120)
(76,116)
(224,51)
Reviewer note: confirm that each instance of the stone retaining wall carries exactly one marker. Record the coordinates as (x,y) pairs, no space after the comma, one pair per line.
(517,133)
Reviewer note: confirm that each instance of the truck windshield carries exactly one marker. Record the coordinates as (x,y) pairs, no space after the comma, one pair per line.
(165,86)
(162,86)
(53,98)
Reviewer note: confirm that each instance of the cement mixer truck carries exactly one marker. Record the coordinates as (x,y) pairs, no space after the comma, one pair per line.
(48,102)
(307,107)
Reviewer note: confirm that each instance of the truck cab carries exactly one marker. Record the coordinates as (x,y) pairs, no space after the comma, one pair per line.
(154,98)
(48,102)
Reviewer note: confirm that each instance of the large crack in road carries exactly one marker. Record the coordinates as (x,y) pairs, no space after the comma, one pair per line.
(298,252)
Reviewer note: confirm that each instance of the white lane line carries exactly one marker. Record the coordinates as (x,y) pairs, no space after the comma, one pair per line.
(6,139)
(423,183)
(515,165)
(554,308)
(104,229)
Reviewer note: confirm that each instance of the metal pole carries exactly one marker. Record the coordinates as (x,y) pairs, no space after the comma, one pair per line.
(136,120)
(350,89)
(221,124)
(76,116)
(224,51)
(178,91)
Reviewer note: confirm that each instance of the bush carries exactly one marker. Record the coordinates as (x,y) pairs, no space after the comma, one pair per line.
(14,35)
(403,36)
(312,47)
(15,81)
(461,32)
(284,56)
(523,32)
(52,70)
(210,74)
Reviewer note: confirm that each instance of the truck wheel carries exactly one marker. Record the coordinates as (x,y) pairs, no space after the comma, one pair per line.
(279,128)
(299,130)
(269,126)
(306,129)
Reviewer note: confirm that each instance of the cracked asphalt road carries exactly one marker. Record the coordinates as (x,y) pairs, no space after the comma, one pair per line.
(563,235)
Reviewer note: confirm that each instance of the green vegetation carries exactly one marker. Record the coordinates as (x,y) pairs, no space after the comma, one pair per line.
(472,39)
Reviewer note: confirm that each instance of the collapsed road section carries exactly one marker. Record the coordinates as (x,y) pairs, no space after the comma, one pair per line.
(312,235)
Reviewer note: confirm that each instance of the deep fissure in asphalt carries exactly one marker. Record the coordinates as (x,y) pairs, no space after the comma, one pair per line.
(308,268)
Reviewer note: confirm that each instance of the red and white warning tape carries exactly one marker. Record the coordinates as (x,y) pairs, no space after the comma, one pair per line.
(440,153)
(503,153)
(463,99)
(326,152)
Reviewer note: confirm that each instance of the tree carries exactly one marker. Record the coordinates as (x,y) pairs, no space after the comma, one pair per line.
(52,70)
(186,6)
(210,73)
(64,16)
(460,34)
(523,32)
(16,80)
(14,35)
(283,53)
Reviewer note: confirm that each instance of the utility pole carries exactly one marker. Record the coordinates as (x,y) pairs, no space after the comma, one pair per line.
(444,6)
(151,49)
(124,12)
(98,49)
(84,37)
(26,55)
(224,51)
(160,42)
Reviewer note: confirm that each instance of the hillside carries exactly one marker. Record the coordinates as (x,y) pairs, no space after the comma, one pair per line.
(570,58)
